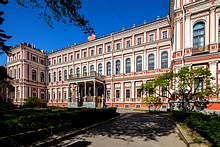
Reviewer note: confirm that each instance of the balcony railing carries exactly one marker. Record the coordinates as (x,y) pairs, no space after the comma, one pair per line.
(201,49)
(85,75)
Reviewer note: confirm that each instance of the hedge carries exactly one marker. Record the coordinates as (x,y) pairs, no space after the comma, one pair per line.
(37,125)
(206,125)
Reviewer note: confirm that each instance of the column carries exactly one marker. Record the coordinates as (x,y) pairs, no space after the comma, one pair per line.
(212,68)
(145,37)
(122,43)
(157,59)
(103,66)
(61,93)
(178,33)
(132,89)
(212,24)
(158,34)
(144,60)
(94,98)
(77,94)
(85,91)
(187,31)
(122,64)
(132,43)
(55,93)
(132,61)
(67,93)
(122,91)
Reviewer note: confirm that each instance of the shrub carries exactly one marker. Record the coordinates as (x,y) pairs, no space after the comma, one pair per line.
(33,102)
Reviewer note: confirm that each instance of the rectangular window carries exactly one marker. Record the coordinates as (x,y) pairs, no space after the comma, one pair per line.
(118,46)
(49,62)
(198,84)
(65,59)
(139,41)
(108,48)
(117,93)
(128,44)
(92,52)
(139,92)
(59,95)
(164,34)
(71,57)
(84,54)
(64,95)
(164,91)
(54,61)
(151,92)
(15,73)
(151,37)
(42,61)
(108,94)
(34,59)
(59,60)
(77,56)
(19,70)
(127,93)
(100,50)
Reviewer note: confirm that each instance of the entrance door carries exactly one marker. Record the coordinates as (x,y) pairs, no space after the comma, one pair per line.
(99,101)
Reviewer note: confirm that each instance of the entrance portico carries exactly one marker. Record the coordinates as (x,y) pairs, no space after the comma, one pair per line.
(87,90)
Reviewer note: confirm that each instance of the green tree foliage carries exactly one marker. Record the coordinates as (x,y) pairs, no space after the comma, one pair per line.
(65,11)
(190,83)
(33,102)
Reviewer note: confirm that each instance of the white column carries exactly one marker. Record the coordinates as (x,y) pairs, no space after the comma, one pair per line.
(122,64)
(212,68)
(157,57)
(67,93)
(144,60)
(145,35)
(212,24)
(132,40)
(187,31)
(178,33)
(158,34)
(133,61)
(103,67)
(132,89)
(94,98)
(51,94)
(122,91)
(61,93)
(55,93)
(122,43)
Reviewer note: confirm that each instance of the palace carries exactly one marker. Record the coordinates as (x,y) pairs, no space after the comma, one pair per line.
(112,68)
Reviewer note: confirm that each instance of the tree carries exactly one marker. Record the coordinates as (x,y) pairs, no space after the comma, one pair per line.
(189,83)
(33,102)
(65,11)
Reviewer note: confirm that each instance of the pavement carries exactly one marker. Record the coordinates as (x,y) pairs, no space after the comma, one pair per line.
(131,129)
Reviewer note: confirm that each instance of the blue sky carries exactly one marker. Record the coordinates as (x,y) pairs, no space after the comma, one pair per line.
(105,16)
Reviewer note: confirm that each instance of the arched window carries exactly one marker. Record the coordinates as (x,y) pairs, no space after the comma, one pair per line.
(60,75)
(49,77)
(91,68)
(138,64)
(151,62)
(54,76)
(84,71)
(108,68)
(164,60)
(42,77)
(128,65)
(219,30)
(65,75)
(199,35)
(71,71)
(34,75)
(118,67)
(100,69)
(77,72)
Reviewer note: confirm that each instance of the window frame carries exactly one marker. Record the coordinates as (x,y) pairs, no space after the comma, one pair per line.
(118,67)
(151,62)
(164,60)
(139,63)
(128,65)
(108,69)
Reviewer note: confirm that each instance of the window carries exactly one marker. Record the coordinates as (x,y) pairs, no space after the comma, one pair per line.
(151,91)
(49,62)
(34,75)
(54,76)
(49,77)
(139,64)
(100,69)
(77,72)
(77,56)
(164,60)
(139,41)
(65,59)
(34,59)
(128,43)
(15,75)
(59,95)
(54,61)
(19,71)
(65,75)
(151,62)
(59,75)
(100,50)
(118,46)
(108,94)
(198,84)
(219,30)
(71,57)
(128,93)
(108,68)
(42,61)
(84,71)
(118,67)
(199,35)
(42,77)
(108,48)
(59,60)
(139,92)
(92,52)
(84,54)
(117,93)
(151,37)
(64,95)
(164,91)
(164,34)
(91,68)
(128,65)
(71,71)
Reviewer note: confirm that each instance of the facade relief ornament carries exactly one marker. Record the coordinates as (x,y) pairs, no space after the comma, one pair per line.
(213,8)
(188,15)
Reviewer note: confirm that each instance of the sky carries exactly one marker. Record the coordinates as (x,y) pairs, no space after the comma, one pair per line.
(105,16)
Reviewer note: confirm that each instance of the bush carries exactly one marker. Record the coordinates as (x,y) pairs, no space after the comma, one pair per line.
(33,102)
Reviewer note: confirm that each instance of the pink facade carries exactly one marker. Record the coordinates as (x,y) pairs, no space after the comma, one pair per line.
(112,68)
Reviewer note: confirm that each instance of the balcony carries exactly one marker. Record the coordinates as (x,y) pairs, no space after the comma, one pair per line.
(86,76)
(200,50)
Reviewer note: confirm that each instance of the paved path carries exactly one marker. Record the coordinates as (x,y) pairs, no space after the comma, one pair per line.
(132,129)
